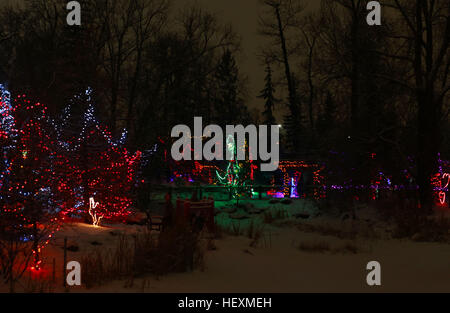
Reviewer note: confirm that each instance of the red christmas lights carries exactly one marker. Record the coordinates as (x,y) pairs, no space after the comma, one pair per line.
(45,176)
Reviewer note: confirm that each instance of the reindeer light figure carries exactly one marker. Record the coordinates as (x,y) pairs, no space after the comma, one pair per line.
(95,219)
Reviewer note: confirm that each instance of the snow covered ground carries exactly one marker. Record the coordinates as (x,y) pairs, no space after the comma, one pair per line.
(326,262)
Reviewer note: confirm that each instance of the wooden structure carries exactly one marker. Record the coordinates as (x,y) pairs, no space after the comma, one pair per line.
(155,222)
(194,210)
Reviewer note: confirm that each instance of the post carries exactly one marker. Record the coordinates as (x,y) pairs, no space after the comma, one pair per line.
(64,262)
(187,210)
(11,274)
(211,216)
(54,271)
(260,192)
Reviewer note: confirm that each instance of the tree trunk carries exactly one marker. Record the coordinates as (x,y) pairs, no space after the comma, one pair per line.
(355,77)
(132,98)
(294,104)
(311,87)
(428,119)
(427,152)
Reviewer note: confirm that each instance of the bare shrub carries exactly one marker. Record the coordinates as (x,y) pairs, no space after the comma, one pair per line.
(210,245)
(256,233)
(39,285)
(218,231)
(251,229)
(314,246)
(348,231)
(410,221)
(177,249)
(328,230)
(422,228)
(348,247)
(323,246)
(94,273)
(236,229)
(232,229)
(15,257)
(271,216)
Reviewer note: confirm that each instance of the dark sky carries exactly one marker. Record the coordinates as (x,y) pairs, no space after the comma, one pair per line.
(243,16)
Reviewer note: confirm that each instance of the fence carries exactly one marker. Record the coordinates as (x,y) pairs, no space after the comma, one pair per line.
(225,193)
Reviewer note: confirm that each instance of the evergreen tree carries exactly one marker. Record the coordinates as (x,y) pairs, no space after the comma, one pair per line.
(227,109)
(292,122)
(268,94)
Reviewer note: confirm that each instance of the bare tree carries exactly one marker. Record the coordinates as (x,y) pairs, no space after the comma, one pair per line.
(422,42)
(282,16)
(311,35)
(15,254)
(117,20)
(149,19)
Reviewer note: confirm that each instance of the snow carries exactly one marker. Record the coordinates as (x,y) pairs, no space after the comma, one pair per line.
(406,267)
(277,264)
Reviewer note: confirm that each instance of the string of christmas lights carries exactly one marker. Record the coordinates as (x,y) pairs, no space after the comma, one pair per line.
(47,173)
(100,167)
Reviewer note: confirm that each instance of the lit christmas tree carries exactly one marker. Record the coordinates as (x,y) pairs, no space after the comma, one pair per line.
(102,170)
(28,189)
(237,174)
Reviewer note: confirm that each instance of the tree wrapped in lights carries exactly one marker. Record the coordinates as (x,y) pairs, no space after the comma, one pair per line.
(102,169)
(14,253)
(7,132)
(237,174)
(46,172)
(28,189)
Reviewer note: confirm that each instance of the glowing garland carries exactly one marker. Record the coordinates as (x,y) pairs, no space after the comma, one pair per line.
(292,172)
(89,119)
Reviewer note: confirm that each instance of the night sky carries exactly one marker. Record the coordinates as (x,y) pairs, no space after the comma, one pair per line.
(243,16)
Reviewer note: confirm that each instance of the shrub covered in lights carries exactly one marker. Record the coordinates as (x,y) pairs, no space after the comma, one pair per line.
(100,167)
(29,186)
(52,168)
